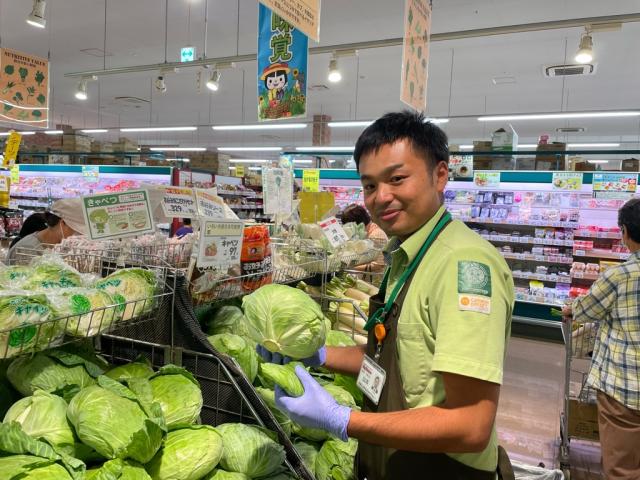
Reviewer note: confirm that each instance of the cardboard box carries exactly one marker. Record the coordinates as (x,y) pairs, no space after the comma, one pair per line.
(76,143)
(551,161)
(504,140)
(583,420)
(630,165)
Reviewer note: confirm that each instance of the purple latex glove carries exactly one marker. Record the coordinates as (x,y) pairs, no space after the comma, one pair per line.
(316,408)
(315,360)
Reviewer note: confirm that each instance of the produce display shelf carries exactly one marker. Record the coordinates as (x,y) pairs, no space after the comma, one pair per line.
(245,207)
(584,276)
(596,253)
(538,258)
(588,234)
(531,240)
(519,223)
(543,277)
(537,300)
(238,193)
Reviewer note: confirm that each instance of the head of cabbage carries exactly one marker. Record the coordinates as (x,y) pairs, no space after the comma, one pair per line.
(178,394)
(269,397)
(140,368)
(48,273)
(30,467)
(249,450)
(228,319)
(335,459)
(285,320)
(219,474)
(14,276)
(284,376)
(118,470)
(240,349)
(87,311)
(132,290)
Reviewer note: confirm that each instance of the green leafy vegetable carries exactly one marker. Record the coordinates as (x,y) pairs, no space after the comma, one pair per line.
(335,459)
(86,310)
(178,394)
(228,319)
(218,474)
(141,368)
(249,450)
(238,348)
(283,375)
(118,470)
(131,284)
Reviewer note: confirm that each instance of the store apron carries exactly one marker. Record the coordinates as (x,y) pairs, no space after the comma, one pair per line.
(375,462)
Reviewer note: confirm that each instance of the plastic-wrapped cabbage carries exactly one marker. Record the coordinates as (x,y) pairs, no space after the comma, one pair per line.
(44,415)
(29,467)
(283,375)
(269,398)
(26,323)
(242,351)
(219,474)
(228,319)
(140,368)
(285,320)
(178,394)
(335,459)
(187,454)
(308,451)
(14,276)
(49,272)
(115,422)
(86,311)
(135,285)
(118,470)
(249,450)
(54,370)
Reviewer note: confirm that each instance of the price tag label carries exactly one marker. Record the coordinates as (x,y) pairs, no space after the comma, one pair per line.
(118,215)
(209,204)
(11,148)
(580,253)
(311,180)
(15,174)
(333,231)
(179,202)
(4,183)
(239,170)
(220,243)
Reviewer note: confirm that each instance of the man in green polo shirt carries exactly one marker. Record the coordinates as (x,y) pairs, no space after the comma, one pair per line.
(437,340)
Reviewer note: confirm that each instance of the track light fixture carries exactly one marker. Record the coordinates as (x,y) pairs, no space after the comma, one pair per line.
(334,74)
(36,17)
(585,49)
(81,91)
(160,84)
(213,83)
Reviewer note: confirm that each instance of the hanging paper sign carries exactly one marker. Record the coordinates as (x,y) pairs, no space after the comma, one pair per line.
(91,172)
(4,183)
(239,170)
(11,149)
(220,243)
(15,174)
(282,68)
(277,190)
(118,215)
(415,54)
(311,180)
(333,231)
(486,179)
(209,204)
(567,181)
(24,96)
(302,14)
(179,202)
(614,185)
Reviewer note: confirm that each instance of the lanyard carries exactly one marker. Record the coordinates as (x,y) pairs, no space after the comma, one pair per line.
(380,314)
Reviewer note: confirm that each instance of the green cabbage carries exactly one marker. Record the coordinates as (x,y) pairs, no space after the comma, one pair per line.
(140,368)
(14,276)
(29,467)
(242,351)
(115,422)
(336,338)
(308,452)
(218,474)
(308,433)
(26,324)
(335,459)
(316,434)
(228,319)
(178,394)
(44,415)
(48,274)
(249,450)
(280,476)
(285,320)
(187,454)
(340,395)
(283,375)
(269,398)
(118,470)
(349,383)
(135,285)
(84,310)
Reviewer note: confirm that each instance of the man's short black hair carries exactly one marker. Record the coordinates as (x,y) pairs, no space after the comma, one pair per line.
(427,140)
(629,218)
(357,214)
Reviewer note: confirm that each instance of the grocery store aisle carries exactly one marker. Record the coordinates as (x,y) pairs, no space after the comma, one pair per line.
(530,405)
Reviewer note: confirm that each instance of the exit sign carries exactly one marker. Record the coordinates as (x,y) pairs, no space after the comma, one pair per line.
(187,54)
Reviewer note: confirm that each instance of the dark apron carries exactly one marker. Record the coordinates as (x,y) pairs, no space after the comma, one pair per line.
(374,462)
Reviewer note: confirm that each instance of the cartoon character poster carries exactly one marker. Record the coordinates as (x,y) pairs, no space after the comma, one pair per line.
(282,68)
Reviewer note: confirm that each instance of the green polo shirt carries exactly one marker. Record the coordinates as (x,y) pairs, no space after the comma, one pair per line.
(456,317)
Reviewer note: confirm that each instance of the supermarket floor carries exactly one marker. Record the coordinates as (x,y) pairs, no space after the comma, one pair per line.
(530,406)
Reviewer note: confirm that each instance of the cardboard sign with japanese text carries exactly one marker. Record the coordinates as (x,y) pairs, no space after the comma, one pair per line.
(220,243)
(277,190)
(311,180)
(179,202)
(415,54)
(302,14)
(334,232)
(209,203)
(282,68)
(118,215)
(11,149)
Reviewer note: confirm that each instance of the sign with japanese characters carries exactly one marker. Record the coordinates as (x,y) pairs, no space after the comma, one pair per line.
(209,203)
(333,231)
(118,215)
(24,92)
(277,190)
(4,183)
(486,179)
(302,14)
(179,202)
(415,54)
(220,243)
(614,185)
(15,174)
(239,171)
(91,172)
(11,149)
(282,68)
(311,180)
(567,180)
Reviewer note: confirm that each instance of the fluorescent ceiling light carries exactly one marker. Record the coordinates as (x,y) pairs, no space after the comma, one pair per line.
(598,161)
(53,132)
(592,145)
(249,149)
(437,120)
(349,124)
(232,168)
(177,159)
(177,149)
(6,134)
(325,148)
(307,162)
(553,116)
(465,147)
(247,160)
(160,129)
(264,126)
(95,130)
(255,169)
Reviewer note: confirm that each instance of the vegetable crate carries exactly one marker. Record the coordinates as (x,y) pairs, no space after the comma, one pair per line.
(579,418)
(43,324)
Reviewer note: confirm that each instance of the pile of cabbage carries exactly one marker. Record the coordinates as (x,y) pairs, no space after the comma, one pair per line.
(81,418)
(287,321)
(43,302)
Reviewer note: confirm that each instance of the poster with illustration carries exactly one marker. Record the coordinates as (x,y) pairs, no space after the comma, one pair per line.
(118,215)
(415,54)
(277,190)
(619,186)
(24,88)
(567,180)
(282,68)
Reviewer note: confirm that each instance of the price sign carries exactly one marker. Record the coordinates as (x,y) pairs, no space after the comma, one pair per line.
(209,204)
(118,215)
(333,231)
(311,180)
(91,172)
(11,148)
(220,243)
(15,174)
(4,183)
(239,170)
(179,202)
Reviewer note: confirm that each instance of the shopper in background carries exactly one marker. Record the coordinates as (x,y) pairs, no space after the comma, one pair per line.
(64,220)
(185,228)
(358,214)
(33,223)
(613,302)
(442,322)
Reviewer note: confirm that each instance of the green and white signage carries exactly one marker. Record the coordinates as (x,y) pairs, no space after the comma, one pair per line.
(118,215)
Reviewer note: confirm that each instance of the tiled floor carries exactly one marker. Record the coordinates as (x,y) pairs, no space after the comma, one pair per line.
(530,405)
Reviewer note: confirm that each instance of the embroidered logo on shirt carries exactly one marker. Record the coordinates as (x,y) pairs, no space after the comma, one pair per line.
(474,278)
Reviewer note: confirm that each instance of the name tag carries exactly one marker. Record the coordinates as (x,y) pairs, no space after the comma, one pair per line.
(371,379)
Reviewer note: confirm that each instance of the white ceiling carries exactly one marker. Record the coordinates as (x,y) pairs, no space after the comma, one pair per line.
(460,71)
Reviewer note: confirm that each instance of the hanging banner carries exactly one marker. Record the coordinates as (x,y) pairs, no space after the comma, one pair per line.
(277,190)
(220,243)
(311,180)
(415,54)
(282,68)
(24,88)
(11,149)
(302,14)
(620,186)
(118,215)
(567,180)
(179,202)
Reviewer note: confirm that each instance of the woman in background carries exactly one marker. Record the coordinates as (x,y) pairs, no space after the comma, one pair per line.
(33,223)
